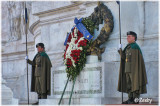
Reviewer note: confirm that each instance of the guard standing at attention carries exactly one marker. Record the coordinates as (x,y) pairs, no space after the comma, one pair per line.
(133,70)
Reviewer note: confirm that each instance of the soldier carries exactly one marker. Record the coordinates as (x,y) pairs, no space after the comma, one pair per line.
(133,70)
(41,67)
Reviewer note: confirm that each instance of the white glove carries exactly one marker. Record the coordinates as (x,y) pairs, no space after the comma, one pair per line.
(120,46)
(26,57)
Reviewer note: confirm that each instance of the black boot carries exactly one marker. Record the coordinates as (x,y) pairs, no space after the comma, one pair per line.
(39,96)
(35,103)
(128,101)
(135,102)
(44,96)
(132,101)
(125,102)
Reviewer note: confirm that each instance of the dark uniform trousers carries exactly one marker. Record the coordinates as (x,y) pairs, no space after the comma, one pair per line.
(134,94)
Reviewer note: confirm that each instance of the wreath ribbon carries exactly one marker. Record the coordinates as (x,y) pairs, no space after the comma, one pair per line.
(82,29)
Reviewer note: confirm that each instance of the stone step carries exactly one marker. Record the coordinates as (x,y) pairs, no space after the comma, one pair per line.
(7,95)
(91,101)
(24,102)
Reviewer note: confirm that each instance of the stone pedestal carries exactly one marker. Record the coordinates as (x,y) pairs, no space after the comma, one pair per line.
(92,59)
(89,87)
(7,95)
(94,85)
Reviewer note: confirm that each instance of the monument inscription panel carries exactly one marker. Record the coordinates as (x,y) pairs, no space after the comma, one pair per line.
(88,82)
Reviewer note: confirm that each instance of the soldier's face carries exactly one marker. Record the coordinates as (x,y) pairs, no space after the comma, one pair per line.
(130,38)
(39,49)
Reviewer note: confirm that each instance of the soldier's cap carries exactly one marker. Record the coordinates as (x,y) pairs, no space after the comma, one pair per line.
(132,33)
(40,44)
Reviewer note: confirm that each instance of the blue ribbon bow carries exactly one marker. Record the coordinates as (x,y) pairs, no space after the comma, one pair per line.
(82,29)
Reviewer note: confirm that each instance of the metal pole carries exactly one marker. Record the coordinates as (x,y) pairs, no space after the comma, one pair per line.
(63,91)
(120,50)
(26,50)
(119,23)
(72,90)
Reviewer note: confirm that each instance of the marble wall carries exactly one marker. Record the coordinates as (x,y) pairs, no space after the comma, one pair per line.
(49,23)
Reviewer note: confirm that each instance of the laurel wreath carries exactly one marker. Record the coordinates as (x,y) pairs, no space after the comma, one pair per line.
(76,56)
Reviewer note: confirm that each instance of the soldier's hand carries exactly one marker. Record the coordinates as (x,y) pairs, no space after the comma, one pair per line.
(26,58)
(120,46)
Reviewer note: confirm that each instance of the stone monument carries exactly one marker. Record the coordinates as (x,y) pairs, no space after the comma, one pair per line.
(49,21)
